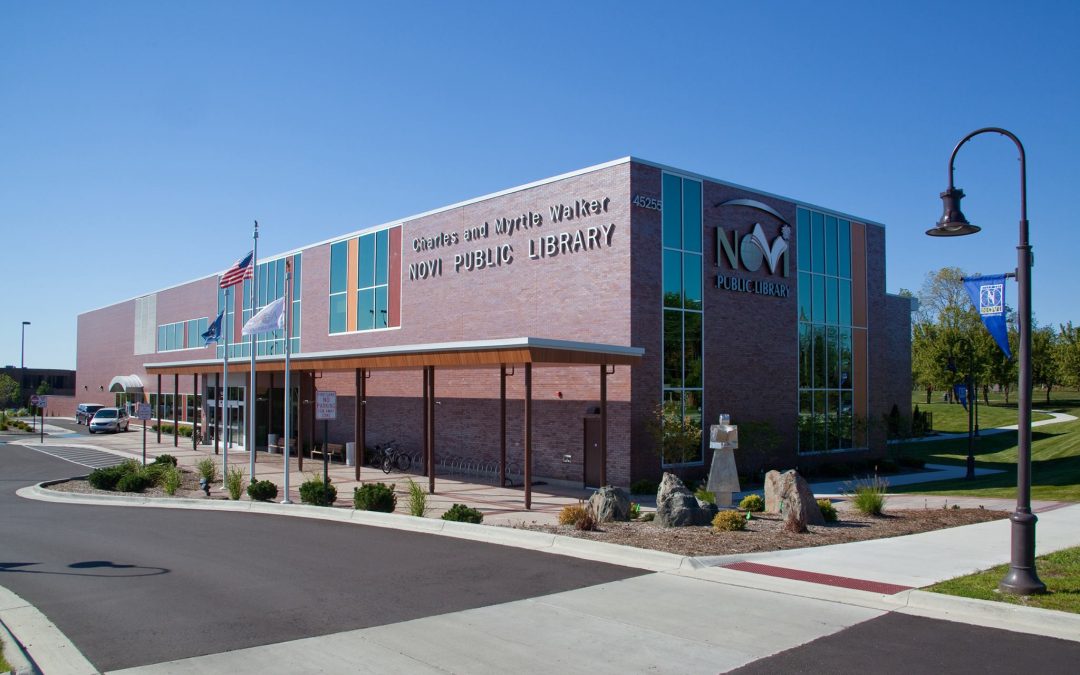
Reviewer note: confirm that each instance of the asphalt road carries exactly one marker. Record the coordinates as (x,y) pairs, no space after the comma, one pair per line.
(139,586)
(902,644)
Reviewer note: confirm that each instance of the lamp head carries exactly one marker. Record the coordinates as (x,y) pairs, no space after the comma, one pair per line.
(952,223)
(26,323)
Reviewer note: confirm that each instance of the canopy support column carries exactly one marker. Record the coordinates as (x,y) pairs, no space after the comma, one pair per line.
(528,436)
(359,421)
(603,425)
(159,408)
(176,410)
(502,425)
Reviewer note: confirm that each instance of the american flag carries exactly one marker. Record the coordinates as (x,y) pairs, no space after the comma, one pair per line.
(242,269)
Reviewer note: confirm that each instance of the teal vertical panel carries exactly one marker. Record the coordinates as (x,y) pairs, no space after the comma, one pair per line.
(817,235)
(672,211)
(805,294)
(843,246)
(691,215)
(802,239)
(830,245)
(692,280)
(673,279)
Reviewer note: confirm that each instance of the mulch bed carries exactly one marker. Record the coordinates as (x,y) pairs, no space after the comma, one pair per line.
(766,532)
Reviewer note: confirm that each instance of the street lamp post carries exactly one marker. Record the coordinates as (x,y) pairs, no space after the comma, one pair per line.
(1021,578)
(22,357)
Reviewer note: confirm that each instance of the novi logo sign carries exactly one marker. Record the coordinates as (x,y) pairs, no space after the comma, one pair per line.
(753,251)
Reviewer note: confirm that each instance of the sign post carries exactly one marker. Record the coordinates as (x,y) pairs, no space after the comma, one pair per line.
(33,412)
(326,410)
(144,413)
(42,402)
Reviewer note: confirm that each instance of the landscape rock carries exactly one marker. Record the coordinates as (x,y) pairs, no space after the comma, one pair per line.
(790,494)
(610,504)
(676,506)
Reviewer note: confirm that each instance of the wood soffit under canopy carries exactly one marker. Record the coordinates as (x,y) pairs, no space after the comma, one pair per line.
(458,358)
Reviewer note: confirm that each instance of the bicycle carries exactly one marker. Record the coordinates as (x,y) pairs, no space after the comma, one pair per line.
(196,440)
(388,457)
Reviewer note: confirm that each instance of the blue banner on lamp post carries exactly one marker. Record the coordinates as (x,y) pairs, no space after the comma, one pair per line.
(988,295)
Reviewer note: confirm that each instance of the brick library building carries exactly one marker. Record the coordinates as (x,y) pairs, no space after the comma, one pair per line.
(538,331)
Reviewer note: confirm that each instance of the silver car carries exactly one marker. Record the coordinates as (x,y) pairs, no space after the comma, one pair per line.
(110,419)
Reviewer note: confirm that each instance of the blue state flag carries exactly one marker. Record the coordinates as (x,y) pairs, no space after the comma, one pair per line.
(213,333)
(988,295)
(271,317)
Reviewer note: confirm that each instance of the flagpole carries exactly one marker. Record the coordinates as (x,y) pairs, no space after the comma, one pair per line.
(251,394)
(225,395)
(288,387)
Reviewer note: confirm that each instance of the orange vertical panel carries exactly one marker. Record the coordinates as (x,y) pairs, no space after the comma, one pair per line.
(350,284)
(858,275)
(393,277)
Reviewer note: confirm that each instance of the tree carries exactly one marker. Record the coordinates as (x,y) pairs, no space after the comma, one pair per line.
(678,437)
(1045,371)
(10,392)
(1068,354)
(44,388)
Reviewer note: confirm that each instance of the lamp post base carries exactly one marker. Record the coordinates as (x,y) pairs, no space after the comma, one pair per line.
(1022,579)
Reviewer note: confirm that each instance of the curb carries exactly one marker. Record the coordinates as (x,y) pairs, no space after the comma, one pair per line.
(557,544)
(991,614)
(14,653)
(44,648)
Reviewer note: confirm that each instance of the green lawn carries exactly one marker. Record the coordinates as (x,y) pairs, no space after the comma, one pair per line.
(952,418)
(1059,571)
(1055,472)
(4,665)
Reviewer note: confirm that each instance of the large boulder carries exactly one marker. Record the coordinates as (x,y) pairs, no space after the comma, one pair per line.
(676,506)
(610,503)
(788,493)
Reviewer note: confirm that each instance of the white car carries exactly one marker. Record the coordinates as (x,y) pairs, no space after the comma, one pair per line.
(110,419)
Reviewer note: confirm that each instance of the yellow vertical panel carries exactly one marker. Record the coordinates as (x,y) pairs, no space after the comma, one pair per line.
(350,296)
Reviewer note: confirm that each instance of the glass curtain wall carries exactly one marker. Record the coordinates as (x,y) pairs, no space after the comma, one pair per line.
(826,381)
(682,292)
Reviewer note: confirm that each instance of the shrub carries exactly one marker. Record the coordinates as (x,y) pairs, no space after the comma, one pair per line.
(729,521)
(262,490)
(156,473)
(165,459)
(374,497)
(314,491)
(172,480)
(752,503)
(207,469)
(587,522)
(868,495)
(186,432)
(417,500)
(635,510)
(648,517)
(572,513)
(704,495)
(106,478)
(234,482)
(463,514)
(644,487)
(828,511)
(136,481)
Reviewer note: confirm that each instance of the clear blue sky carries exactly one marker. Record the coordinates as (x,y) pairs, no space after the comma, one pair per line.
(138,140)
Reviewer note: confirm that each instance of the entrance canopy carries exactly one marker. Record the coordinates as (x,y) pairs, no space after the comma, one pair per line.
(443,354)
(126,384)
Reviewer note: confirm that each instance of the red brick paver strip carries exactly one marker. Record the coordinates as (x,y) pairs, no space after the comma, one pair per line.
(818,578)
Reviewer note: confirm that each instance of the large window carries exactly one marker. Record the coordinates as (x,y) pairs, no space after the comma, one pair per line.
(181,335)
(270,280)
(361,282)
(682,292)
(826,334)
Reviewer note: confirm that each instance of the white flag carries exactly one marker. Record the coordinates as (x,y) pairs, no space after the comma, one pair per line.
(271,317)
